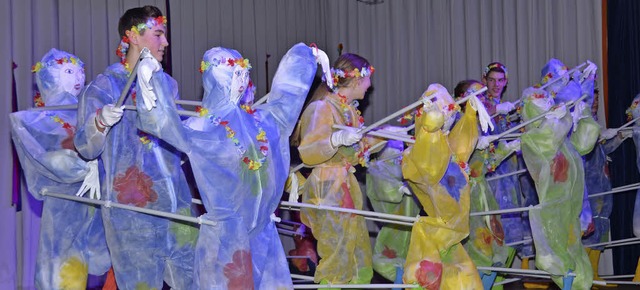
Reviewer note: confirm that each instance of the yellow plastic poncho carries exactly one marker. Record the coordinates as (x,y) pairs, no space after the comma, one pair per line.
(343,240)
(437,172)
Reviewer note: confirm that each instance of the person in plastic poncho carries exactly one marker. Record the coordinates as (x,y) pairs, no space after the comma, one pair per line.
(437,170)
(343,240)
(597,180)
(570,88)
(634,111)
(388,194)
(511,191)
(72,240)
(485,244)
(240,159)
(554,162)
(139,170)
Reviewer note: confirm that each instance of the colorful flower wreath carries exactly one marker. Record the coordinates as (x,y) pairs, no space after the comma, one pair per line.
(336,74)
(496,65)
(629,111)
(242,62)
(58,61)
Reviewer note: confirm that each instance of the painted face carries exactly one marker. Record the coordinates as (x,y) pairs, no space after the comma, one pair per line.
(495,82)
(155,40)
(239,83)
(71,78)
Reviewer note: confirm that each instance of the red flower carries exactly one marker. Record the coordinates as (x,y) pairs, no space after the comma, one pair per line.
(429,275)
(134,187)
(560,168)
(497,230)
(389,253)
(224,123)
(239,271)
(60,60)
(246,160)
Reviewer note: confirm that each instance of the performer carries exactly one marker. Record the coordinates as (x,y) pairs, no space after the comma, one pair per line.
(596,168)
(388,194)
(240,159)
(485,244)
(554,162)
(138,169)
(343,240)
(512,191)
(72,239)
(437,170)
(634,111)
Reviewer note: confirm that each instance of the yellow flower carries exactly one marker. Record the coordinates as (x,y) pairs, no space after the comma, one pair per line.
(73,274)
(36,67)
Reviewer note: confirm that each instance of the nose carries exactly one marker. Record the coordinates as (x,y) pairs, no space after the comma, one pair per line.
(165,42)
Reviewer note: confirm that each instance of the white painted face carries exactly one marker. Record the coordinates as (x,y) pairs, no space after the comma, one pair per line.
(239,83)
(543,103)
(71,78)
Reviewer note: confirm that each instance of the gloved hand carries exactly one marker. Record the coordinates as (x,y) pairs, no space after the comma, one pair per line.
(109,115)
(147,66)
(557,112)
(578,114)
(405,190)
(609,133)
(91,181)
(589,71)
(513,146)
(624,134)
(485,141)
(345,137)
(483,115)
(323,60)
(505,107)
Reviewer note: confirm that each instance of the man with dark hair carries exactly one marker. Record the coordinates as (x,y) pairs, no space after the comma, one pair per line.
(138,169)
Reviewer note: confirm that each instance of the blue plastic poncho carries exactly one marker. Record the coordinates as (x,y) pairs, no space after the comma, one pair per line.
(240,159)
(72,239)
(141,171)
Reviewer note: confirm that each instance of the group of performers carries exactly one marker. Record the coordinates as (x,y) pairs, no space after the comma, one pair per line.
(122,140)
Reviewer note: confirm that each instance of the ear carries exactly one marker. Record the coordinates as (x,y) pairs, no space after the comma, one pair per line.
(133,37)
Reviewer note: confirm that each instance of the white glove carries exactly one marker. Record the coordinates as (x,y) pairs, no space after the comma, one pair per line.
(345,137)
(557,112)
(589,71)
(624,134)
(485,141)
(577,114)
(513,146)
(147,66)
(323,60)
(609,133)
(483,115)
(505,107)
(293,192)
(91,181)
(109,115)
(405,190)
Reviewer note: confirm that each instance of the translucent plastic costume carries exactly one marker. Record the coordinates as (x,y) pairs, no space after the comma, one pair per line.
(486,245)
(568,89)
(72,239)
(343,240)
(141,171)
(554,162)
(240,159)
(508,191)
(634,111)
(384,184)
(436,167)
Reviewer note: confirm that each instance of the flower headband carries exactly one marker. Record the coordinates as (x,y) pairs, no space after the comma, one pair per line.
(123,47)
(495,65)
(629,111)
(336,74)
(58,61)
(242,62)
